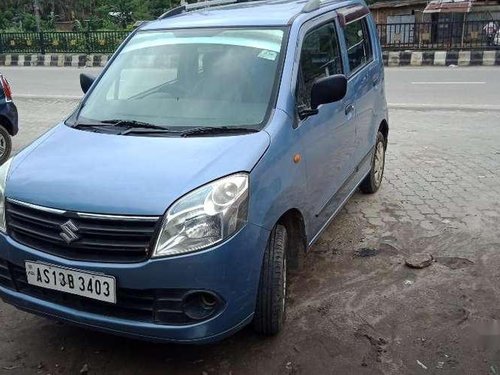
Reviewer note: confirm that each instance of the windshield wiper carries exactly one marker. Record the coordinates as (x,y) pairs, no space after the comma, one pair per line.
(134,123)
(216,130)
(131,126)
(127,123)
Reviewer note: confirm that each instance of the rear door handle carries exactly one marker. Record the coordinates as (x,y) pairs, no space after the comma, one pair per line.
(349,109)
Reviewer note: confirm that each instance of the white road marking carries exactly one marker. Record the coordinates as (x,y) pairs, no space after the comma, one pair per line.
(37,96)
(449,83)
(444,107)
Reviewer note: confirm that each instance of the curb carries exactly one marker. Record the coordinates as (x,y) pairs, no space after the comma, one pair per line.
(391,58)
(94,60)
(441,58)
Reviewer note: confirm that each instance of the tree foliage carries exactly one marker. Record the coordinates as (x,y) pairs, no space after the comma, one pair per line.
(19,15)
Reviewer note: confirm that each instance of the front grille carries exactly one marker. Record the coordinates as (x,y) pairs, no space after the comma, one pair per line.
(159,306)
(99,238)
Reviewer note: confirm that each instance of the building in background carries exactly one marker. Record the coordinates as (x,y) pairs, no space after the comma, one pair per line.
(437,23)
(401,16)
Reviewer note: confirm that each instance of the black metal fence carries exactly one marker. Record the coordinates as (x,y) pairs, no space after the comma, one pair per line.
(440,35)
(393,36)
(62,42)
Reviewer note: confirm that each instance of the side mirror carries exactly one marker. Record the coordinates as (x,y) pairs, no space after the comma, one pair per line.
(328,90)
(86,81)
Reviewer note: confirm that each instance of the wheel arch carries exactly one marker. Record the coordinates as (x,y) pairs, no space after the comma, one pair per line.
(5,122)
(293,221)
(384,129)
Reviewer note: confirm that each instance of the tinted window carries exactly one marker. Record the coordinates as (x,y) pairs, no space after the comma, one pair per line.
(320,57)
(358,44)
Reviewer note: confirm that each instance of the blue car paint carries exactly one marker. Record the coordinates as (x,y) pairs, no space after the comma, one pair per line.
(231,268)
(101,173)
(58,172)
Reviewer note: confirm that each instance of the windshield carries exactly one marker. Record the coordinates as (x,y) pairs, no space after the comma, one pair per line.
(190,78)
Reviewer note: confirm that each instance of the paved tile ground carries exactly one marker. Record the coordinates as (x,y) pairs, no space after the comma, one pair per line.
(442,168)
(348,314)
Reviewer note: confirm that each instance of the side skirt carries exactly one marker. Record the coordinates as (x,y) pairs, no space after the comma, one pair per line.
(350,186)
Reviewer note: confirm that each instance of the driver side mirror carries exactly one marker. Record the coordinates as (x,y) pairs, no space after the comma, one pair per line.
(325,90)
(86,80)
(328,90)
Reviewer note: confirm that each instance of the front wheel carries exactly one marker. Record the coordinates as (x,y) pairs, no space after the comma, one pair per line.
(373,180)
(271,297)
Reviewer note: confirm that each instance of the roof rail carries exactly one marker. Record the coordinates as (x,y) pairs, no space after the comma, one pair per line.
(311,6)
(173,12)
(186,7)
(347,14)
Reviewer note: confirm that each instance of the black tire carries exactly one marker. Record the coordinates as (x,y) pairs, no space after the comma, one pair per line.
(373,180)
(5,145)
(270,309)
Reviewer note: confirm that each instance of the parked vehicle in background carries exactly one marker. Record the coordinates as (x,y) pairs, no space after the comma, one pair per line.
(207,157)
(8,119)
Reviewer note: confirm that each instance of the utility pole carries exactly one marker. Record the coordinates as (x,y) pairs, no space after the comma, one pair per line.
(36,7)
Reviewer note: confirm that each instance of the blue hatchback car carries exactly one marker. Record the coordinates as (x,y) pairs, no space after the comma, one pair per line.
(208,156)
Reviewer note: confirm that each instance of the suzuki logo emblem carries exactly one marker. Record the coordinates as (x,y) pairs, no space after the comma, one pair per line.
(69,232)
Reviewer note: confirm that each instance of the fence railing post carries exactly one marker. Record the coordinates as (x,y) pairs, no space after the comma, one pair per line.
(88,46)
(1,43)
(42,43)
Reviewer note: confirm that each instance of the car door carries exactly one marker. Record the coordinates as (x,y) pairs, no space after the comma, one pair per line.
(328,136)
(364,79)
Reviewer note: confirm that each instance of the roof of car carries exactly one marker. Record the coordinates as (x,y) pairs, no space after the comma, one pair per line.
(251,13)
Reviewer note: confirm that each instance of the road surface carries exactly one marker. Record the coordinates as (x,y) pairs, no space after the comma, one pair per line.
(348,313)
(432,86)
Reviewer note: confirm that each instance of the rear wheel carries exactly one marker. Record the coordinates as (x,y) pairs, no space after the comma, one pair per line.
(270,308)
(5,145)
(373,180)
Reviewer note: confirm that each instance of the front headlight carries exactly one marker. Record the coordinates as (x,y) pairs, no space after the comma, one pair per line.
(4,169)
(205,216)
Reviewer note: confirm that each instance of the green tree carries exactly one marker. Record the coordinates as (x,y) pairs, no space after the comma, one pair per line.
(92,14)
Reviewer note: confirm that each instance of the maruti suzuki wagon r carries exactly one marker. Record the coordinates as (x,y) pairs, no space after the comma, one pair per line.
(207,157)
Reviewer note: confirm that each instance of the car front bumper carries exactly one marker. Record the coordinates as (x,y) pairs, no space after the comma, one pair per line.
(231,270)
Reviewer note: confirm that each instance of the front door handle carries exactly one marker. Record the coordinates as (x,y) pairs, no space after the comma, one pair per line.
(349,109)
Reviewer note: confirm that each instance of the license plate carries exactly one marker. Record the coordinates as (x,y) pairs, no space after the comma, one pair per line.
(81,283)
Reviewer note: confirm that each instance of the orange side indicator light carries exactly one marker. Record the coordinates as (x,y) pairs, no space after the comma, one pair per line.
(297,158)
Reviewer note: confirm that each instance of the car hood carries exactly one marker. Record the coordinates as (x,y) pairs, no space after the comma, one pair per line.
(84,171)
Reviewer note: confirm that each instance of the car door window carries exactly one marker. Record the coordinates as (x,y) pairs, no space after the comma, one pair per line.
(320,57)
(358,44)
